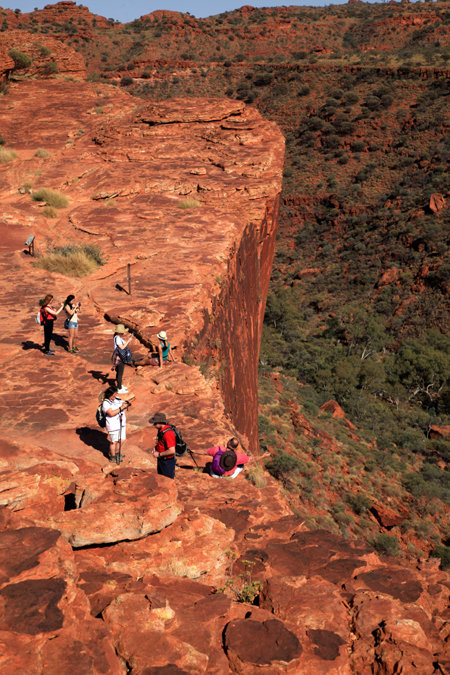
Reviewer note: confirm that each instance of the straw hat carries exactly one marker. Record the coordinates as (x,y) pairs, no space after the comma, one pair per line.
(120,328)
(162,335)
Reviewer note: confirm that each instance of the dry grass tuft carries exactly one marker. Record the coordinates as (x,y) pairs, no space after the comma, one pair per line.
(72,261)
(7,155)
(49,212)
(188,204)
(179,568)
(41,152)
(50,197)
(256,475)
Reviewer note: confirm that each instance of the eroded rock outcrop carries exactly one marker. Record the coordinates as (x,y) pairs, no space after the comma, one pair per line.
(48,55)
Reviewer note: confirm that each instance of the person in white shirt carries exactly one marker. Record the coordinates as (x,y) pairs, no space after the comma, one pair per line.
(116,423)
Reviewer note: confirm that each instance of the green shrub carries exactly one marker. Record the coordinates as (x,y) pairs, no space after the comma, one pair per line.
(44,51)
(2,140)
(303,91)
(72,261)
(126,81)
(7,155)
(442,552)
(358,146)
(282,465)
(51,68)
(40,152)
(20,59)
(359,503)
(50,197)
(386,544)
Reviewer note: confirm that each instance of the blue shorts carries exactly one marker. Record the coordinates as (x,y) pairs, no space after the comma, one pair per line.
(73,324)
(166,467)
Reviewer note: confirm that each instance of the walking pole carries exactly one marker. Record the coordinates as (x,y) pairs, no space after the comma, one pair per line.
(192,456)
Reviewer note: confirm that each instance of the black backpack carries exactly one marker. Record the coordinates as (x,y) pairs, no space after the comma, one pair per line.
(100,416)
(181,446)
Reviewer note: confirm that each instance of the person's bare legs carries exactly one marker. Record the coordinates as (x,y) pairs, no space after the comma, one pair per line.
(113,449)
(71,337)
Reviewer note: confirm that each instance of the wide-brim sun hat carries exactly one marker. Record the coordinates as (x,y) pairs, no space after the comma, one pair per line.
(158,418)
(120,328)
(228,460)
(162,335)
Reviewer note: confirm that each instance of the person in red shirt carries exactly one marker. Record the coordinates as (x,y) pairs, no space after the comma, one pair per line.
(48,315)
(228,461)
(165,445)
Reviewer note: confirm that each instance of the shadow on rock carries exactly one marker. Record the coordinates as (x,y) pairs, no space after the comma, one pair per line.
(60,341)
(29,344)
(101,377)
(94,438)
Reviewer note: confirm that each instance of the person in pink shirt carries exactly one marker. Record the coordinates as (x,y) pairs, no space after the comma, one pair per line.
(228,461)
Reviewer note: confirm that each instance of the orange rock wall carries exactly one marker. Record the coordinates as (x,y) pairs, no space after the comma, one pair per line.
(232,332)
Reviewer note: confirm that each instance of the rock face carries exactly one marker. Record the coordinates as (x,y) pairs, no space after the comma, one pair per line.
(112,569)
(6,64)
(42,50)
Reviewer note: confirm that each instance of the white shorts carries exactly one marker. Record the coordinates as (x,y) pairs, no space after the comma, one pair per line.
(114,435)
(235,473)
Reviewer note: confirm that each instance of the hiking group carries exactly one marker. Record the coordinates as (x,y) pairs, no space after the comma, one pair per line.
(169,444)
(111,413)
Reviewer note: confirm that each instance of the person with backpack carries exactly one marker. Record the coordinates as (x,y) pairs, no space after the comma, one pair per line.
(47,315)
(228,461)
(165,447)
(122,355)
(72,309)
(113,409)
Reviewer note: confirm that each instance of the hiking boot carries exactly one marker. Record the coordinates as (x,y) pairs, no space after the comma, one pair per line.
(75,349)
(122,390)
(119,461)
(49,353)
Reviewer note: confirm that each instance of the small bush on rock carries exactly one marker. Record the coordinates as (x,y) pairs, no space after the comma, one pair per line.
(50,197)
(51,68)
(21,60)
(188,204)
(7,155)
(387,544)
(40,152)
(49,212)
(72,261)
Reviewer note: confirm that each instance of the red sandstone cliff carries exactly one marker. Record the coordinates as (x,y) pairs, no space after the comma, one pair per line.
(118,569)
